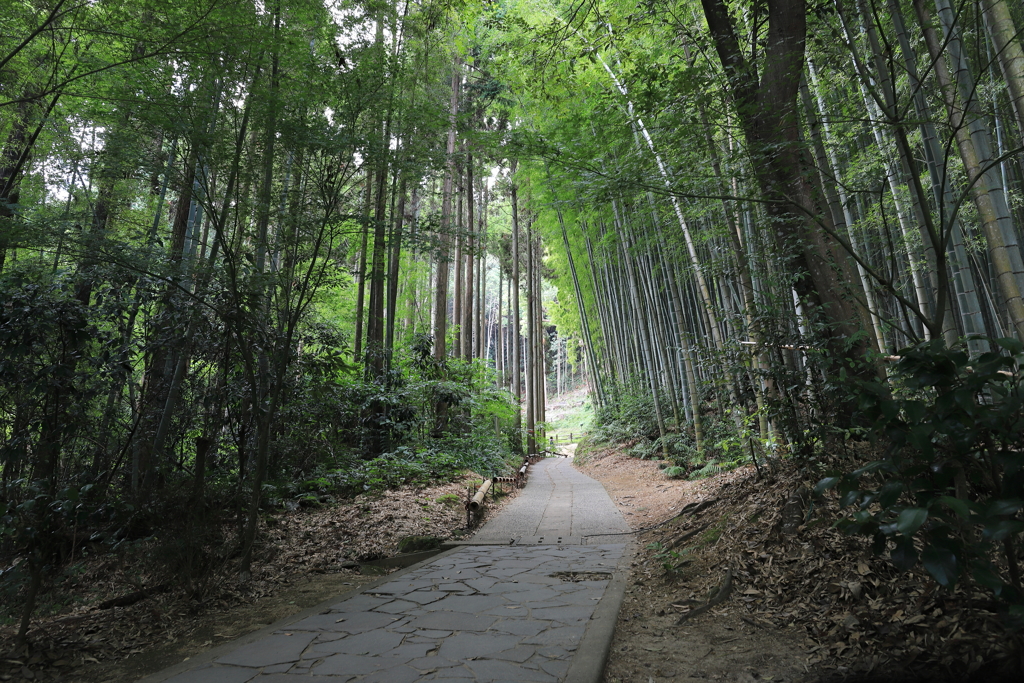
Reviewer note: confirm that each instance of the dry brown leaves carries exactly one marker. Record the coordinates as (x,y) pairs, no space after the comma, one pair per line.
(857,612)
(292,545)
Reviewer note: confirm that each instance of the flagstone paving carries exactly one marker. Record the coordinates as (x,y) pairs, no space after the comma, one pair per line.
(489,613)
(558,504)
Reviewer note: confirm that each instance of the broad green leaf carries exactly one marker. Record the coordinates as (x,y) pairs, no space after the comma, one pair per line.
(867,469)
(1011,345)
(998,508)
(904,555)
(826,484)
(941,564)
(890,493)
(958,506)
(987,578)
(1002,529)
(878,543)
(910,520)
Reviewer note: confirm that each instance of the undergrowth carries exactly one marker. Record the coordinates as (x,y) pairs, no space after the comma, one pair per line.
(630,423)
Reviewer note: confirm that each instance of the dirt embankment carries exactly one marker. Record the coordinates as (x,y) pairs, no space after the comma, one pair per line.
(791,599)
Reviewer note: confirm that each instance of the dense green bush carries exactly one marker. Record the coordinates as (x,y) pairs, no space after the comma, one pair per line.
(379,434)
(629,417)
(440,461)
(948,488)
(78,424)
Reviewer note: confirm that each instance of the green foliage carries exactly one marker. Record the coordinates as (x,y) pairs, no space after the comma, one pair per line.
(645,449)
(709,469)
(40,527)
(448,500)
(672,561)
(680,446)
(949,487)
(38,524)
(400,415)
(726,447)
(629,417)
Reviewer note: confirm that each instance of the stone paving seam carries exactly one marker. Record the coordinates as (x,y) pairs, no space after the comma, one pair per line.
(208,656)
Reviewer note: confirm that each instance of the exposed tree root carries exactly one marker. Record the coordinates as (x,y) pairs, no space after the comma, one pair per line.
(723,592)
(683,538)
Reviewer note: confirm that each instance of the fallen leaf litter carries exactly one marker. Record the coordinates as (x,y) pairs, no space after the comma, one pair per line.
(809,605)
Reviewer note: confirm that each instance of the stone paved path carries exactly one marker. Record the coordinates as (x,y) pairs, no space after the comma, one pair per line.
(559,504)
(489,613)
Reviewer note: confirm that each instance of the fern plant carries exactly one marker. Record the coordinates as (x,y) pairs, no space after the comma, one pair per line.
(711,468)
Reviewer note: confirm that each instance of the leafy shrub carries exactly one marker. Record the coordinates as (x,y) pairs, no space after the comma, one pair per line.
(680,446)
(949,488)
(629,417)
(369,435)
(645,449)
(671,561)
(40,528)
(710,469)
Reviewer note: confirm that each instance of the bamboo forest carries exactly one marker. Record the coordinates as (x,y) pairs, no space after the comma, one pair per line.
(287,272)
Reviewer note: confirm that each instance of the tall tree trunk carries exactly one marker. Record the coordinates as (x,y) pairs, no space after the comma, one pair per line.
(441,289)
(517,351)
(467,300)
(767,111)
(684,341)
(499,323)
(374,352)
(393,273)
(581,307)
(645,340)
(357,347)
(835,193)
(949,225)
(16,153)
(976,123)
(1009,53)
(531,348)
(541,344)
(266,372)
(460,267)
(482,270)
